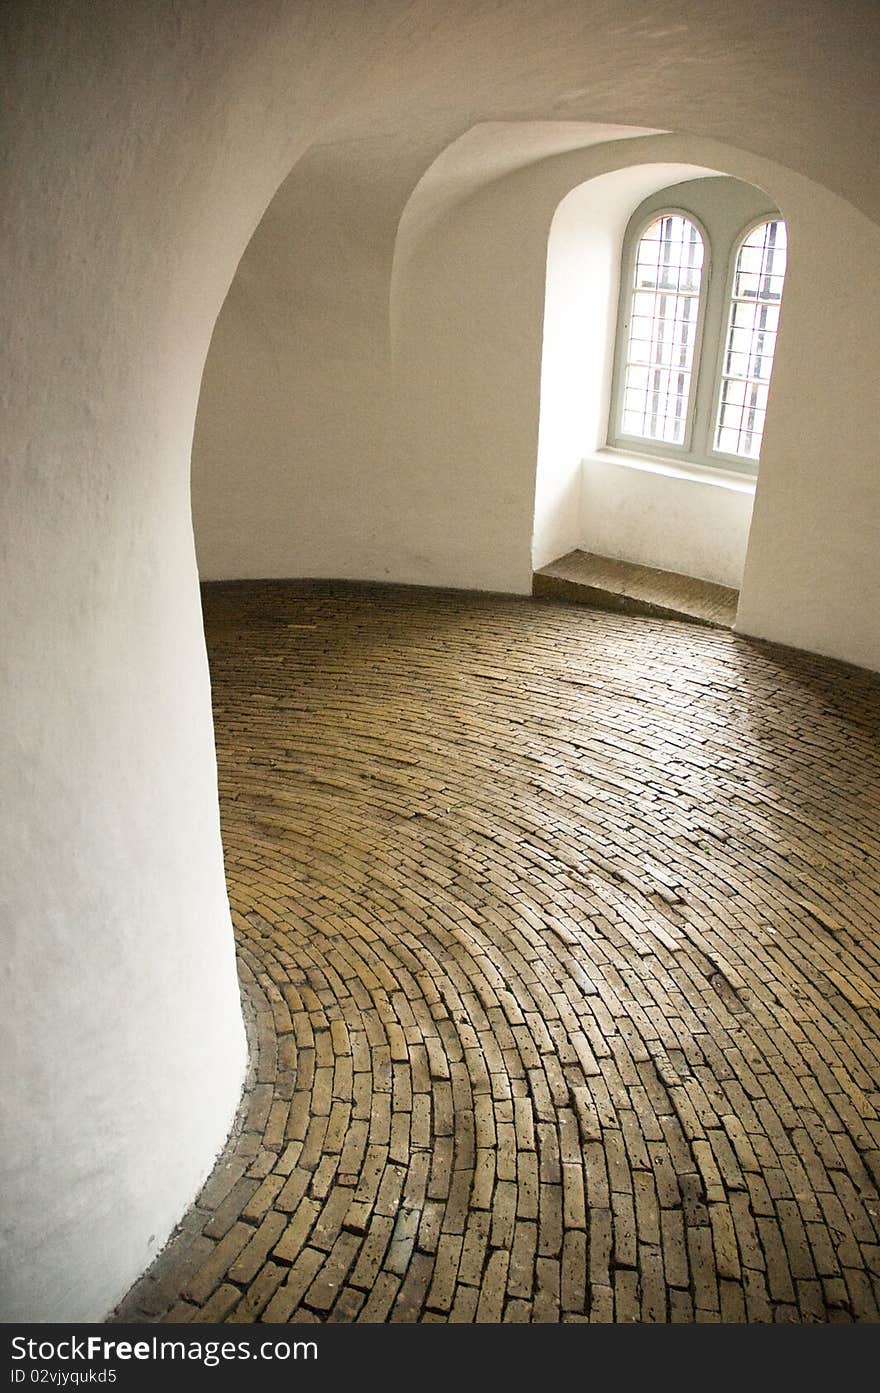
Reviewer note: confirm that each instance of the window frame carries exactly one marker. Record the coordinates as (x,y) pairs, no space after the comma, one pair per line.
(743,462)
(635,444)
(713,321)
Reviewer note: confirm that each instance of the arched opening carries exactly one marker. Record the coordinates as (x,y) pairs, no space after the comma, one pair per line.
(428,337)
(469,331)
(648,489)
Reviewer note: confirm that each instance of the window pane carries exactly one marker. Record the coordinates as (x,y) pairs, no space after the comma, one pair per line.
(751,340)
(662,330)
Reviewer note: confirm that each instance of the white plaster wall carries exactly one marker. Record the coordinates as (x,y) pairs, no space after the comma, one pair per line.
(657,515)
(306,462)
(293,411)
(812,575)
(467,304)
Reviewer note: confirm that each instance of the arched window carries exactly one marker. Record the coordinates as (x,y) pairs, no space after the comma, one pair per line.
(697,325)
(753,322)
(663,323)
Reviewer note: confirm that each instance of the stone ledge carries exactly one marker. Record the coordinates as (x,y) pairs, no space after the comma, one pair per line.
(604,583)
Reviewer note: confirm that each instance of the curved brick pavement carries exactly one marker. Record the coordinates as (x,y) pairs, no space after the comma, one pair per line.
(559,935)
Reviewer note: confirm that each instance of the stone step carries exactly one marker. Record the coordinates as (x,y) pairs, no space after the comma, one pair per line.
(603,583)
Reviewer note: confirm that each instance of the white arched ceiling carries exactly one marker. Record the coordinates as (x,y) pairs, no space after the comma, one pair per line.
(142,145)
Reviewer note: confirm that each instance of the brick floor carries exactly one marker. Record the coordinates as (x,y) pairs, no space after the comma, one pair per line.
(558,935)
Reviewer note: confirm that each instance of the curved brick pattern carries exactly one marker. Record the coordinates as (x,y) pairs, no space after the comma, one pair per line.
(559,936)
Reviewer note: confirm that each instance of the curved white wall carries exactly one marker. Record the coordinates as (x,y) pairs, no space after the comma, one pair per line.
(812,575)
(147,141)
(143,144)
